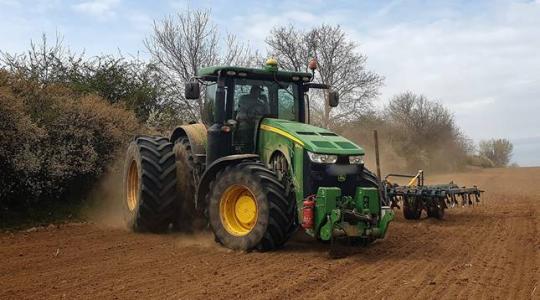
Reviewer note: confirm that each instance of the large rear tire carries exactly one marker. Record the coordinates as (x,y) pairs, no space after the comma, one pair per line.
(248,208)
(187,218)
(149,185)
(411,208)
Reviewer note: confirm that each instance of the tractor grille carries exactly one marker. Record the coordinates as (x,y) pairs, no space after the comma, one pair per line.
(327,175)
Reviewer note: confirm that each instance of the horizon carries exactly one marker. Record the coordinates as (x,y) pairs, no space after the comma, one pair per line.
(483,54)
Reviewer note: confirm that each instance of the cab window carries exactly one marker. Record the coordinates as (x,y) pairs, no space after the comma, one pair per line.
(255,98)
(209,103)
(287,102)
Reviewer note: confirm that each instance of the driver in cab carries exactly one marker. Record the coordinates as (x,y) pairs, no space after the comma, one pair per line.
(252,105)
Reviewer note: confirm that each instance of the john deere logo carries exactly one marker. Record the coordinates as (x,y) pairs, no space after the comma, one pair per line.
(341,178)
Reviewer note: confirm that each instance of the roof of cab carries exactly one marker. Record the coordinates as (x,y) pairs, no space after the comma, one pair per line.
(253,72)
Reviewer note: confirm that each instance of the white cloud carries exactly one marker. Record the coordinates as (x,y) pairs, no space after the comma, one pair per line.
(485,68)
(261,23)
(473,104)
(98,8)
(10,3)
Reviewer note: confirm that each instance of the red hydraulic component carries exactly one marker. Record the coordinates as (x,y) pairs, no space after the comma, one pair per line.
(308,212)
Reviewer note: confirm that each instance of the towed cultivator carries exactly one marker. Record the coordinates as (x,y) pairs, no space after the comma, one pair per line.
(434,199)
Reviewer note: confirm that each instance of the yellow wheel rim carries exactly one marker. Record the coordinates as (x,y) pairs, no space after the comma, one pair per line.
(132,186)
(238,210)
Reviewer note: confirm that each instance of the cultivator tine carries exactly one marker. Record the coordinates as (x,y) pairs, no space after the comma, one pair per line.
(430,197)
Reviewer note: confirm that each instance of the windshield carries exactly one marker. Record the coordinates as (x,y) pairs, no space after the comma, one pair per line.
(254,98)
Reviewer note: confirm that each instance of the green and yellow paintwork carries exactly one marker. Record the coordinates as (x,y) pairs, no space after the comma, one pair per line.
(291,139)
(311,138)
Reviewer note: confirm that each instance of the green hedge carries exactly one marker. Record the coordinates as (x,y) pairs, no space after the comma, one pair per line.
(55,142)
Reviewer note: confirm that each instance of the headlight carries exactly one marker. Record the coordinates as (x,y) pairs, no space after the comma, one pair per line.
(322,158)
(356,159)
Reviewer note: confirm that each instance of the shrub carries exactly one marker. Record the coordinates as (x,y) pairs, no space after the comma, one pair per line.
(480,161)
(426,133)
(499,151)
(54,142)
(414,133)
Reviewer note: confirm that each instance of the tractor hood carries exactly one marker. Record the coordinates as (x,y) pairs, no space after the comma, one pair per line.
(312,138)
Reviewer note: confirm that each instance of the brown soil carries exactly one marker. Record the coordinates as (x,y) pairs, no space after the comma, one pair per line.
(487,251)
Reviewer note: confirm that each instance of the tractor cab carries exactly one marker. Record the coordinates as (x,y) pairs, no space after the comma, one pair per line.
(236,99)
(248,100)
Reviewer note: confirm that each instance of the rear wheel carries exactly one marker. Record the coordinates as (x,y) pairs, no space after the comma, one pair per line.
(149,185)
(187,217)
(411,208)
(247,208)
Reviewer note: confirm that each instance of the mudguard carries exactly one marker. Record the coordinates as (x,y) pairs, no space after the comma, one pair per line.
(196,133)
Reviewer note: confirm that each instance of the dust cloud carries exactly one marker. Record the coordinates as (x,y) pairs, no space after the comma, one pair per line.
(104,209)
(104,201)
(202,239)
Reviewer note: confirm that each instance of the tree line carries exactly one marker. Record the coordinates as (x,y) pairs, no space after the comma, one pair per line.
(64,114)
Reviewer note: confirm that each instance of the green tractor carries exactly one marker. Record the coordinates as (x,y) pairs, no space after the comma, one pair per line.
(255,169)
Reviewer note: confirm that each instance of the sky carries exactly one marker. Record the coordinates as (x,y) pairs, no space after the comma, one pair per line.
(479,58)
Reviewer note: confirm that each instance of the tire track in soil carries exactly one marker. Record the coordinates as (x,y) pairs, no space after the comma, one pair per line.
(518,223)
(459,277)
(407,273)
(456,257)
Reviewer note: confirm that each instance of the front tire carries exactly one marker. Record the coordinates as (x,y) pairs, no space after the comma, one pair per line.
(149,185)
(248,208)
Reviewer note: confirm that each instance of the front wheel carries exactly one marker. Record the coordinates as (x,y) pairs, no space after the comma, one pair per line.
(248,208)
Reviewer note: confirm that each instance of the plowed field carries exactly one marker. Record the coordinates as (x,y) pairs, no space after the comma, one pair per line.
(488,251)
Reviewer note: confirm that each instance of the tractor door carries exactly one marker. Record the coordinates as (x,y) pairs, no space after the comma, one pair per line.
(251,102)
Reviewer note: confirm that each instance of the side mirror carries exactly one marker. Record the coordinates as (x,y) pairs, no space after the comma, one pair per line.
(192,90)
(333,98)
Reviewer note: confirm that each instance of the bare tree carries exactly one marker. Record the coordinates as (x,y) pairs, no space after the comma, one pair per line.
(425,132)
(339,64)
(44,62)
(238,53)
(497,150)
(423,117)
(185,42)
(291,46)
